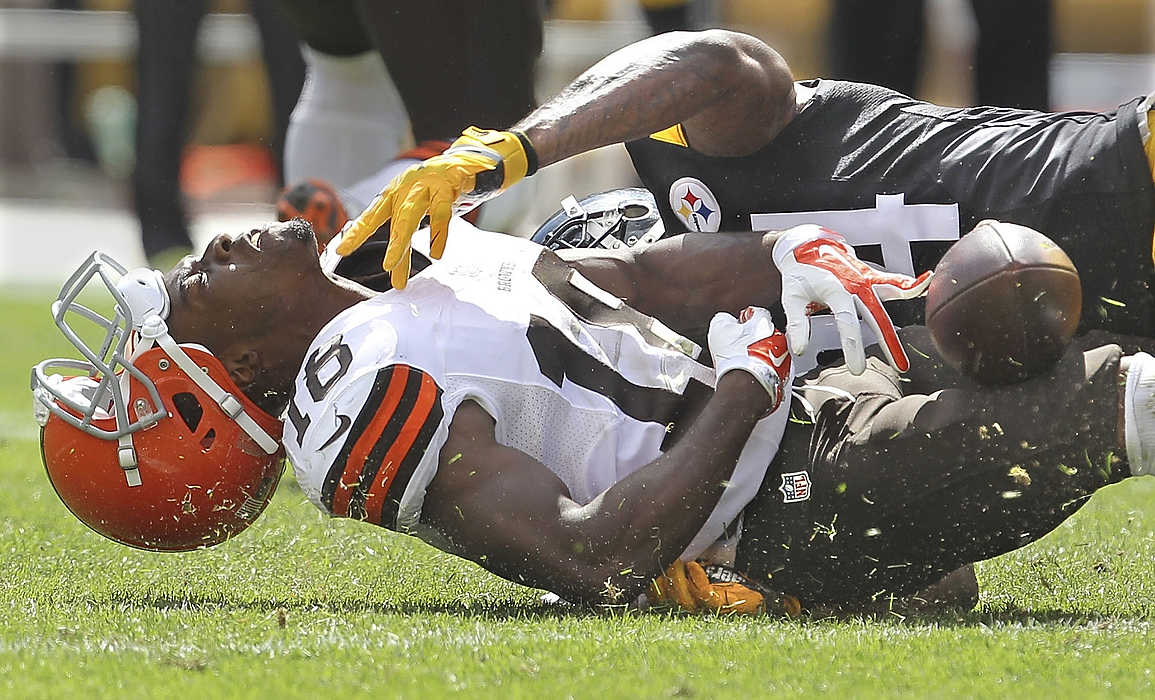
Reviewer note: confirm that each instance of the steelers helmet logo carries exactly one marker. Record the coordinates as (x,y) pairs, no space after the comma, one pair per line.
(695,205)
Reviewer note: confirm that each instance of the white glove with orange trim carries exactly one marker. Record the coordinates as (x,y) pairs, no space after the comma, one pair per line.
(752,344)
(821,271)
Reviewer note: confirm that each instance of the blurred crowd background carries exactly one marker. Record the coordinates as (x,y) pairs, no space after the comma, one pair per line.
(89,133)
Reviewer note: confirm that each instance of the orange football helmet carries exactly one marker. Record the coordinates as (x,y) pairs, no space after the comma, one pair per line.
(148,442)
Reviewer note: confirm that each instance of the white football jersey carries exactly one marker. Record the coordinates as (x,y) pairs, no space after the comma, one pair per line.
(572,377)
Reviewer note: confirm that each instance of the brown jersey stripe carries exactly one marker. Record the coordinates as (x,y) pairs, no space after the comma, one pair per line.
(347,472)
(364,416)
(403,456)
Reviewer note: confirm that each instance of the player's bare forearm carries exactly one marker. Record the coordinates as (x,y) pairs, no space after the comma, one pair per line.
(508,512)
(684,280)
(645,521)
(730,91)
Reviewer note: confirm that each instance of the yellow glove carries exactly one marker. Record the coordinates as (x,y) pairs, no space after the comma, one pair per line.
(478,166)
(687,585)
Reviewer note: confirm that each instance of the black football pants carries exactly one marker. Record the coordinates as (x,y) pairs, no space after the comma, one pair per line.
(926,472)
(166,59)
(882,43)
(454,63)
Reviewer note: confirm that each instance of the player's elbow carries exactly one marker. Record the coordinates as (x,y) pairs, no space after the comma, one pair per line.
(606,563)
(741,57)
(737,44)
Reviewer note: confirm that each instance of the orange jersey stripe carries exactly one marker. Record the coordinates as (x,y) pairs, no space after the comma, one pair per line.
(364,445)
(426,398)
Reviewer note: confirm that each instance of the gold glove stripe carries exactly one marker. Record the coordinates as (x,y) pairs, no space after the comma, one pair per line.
(505,145)
(477,166)
(530,152)
(516,164)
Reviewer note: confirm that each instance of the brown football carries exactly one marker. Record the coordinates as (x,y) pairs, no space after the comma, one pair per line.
(1004,302)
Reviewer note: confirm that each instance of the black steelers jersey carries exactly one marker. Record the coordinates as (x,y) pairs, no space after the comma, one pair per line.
(873,160)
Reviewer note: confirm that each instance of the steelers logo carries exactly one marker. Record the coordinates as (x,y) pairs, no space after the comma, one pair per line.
(695,205)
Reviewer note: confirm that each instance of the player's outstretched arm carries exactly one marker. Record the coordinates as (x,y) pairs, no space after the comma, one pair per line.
(684,280)
(506,511)
(730,92)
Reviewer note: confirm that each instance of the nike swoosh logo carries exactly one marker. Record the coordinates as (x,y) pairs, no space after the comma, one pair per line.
(764,351)
(343,423)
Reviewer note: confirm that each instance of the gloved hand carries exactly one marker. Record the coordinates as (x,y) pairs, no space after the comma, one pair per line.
(687,585)
(820,271)
(751,343)
(477,166)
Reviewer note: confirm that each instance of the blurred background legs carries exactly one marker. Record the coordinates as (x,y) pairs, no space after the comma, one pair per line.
(167,33)
(438,67)
(878,42)
(284,69)
(73,70)
(74,140)
(349,119)
(884,43)
(457,64)
(669,15)
(1013,53)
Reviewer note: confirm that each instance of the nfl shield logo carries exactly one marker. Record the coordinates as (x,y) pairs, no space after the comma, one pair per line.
(795,487)
(695,205)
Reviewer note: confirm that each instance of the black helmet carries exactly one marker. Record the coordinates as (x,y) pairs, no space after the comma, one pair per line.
(622,218)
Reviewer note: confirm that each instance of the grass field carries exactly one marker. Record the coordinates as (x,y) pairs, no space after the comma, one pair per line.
(303,606)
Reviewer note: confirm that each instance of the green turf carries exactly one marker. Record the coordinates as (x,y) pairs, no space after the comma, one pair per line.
(303,606)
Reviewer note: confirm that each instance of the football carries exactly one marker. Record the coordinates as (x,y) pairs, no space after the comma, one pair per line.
(1003,304)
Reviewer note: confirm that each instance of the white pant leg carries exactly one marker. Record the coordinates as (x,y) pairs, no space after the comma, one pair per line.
(358,195)
(348,121)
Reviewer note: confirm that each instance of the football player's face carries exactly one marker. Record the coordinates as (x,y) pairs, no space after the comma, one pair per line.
(242,284)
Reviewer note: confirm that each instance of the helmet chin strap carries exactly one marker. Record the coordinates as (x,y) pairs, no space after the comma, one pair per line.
(144,291)
(126,455)
(149,304)
(142,305)
(156,330)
